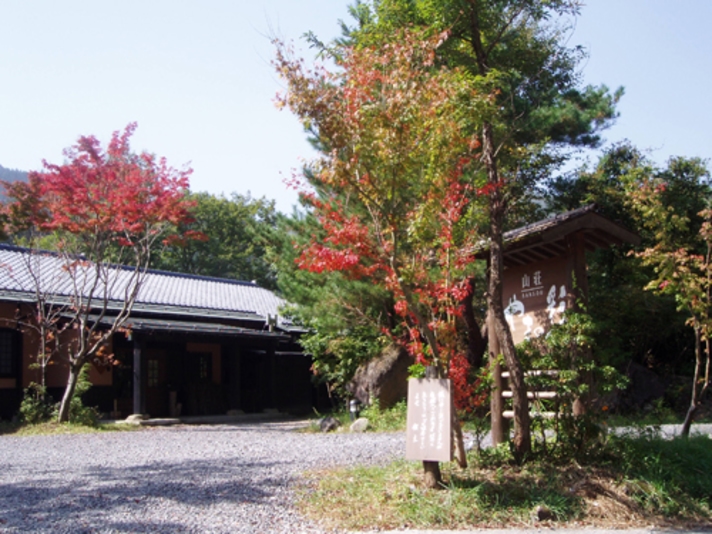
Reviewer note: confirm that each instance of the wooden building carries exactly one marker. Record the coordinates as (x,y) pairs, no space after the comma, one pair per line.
(193,345)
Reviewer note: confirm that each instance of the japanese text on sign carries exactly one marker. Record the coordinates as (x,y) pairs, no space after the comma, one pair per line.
(428,435)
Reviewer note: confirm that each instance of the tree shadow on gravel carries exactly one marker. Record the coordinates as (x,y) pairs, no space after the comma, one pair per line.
(89,499)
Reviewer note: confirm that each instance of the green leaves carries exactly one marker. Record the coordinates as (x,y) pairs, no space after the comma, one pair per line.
(393,181)
(238,235)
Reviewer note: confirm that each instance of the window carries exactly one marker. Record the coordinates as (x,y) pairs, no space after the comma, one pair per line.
(9,353)
(204,372)
(152,373)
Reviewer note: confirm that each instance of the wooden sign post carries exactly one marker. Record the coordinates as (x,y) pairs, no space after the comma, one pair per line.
(429,432)
(545,275)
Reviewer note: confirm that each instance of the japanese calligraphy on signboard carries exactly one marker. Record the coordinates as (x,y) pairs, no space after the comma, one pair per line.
(536,297)
(428,435)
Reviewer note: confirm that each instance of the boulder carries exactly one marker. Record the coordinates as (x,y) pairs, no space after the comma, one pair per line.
(543,513)
(644,387)
(360,425)
(384,379)
(329,424)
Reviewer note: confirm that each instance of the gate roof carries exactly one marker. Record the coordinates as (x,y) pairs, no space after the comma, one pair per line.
(547,238)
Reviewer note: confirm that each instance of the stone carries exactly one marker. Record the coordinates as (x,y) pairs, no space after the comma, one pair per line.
(360,425)
(329,424)
(137,417)
(383,379)
(543,513)
(645,386)
(163,421)
(233,413)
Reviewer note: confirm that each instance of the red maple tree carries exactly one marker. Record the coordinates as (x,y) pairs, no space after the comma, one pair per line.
(103,212)
(396,185)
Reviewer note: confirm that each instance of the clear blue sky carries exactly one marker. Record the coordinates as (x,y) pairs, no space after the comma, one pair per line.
(197,78)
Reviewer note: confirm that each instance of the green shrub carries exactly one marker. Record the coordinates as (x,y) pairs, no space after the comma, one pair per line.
(78,412)
(388,420)
(35,407)
(569,349)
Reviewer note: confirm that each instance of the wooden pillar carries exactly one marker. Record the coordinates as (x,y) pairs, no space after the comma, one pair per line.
(579,295)
(576,267)
(139,396)
(500,428)
(431,470)
(234,387)
(271,401)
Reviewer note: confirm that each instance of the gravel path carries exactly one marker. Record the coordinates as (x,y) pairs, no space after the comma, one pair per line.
(213,478)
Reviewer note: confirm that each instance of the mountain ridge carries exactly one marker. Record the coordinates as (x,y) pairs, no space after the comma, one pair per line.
(12,175)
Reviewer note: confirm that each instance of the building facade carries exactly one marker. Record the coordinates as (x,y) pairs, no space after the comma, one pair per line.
(193,345)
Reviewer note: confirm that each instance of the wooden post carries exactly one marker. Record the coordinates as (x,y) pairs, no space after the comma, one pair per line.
(579,294)
(139,399)
(432,477)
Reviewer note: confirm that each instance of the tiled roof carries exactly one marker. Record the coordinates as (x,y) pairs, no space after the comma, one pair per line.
(161,290)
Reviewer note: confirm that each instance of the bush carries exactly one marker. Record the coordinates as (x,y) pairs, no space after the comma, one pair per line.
(35,407)
(388,420)
(569,349)
(78,412)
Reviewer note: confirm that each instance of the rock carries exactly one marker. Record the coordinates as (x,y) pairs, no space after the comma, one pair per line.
(329,424)
(163,421)
(137,417)
(469,441)
(233,413)
(543,513)
(645,386)
(360,425)
(384,379)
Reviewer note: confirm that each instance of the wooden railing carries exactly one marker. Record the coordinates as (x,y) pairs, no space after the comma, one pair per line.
(534,396)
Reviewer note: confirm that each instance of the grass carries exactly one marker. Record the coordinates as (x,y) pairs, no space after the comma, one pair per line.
(53,428)
(390,420)
(633,482)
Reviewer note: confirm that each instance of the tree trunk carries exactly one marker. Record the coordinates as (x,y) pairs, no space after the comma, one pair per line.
(432,477)
(476,343)
(694,396)
(687,423)
(520,403)
(458,440)
(72,379)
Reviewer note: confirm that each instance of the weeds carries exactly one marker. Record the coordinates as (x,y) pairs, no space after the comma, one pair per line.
(390,420)
(634,481)
(668,477)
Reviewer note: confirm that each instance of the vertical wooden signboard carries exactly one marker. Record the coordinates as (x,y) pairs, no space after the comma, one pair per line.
(536,296)
(428,435)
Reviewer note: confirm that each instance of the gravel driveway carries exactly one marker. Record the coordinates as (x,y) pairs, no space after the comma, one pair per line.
(212,478)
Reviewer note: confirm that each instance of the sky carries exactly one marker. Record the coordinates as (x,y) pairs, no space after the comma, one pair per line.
(197,78)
